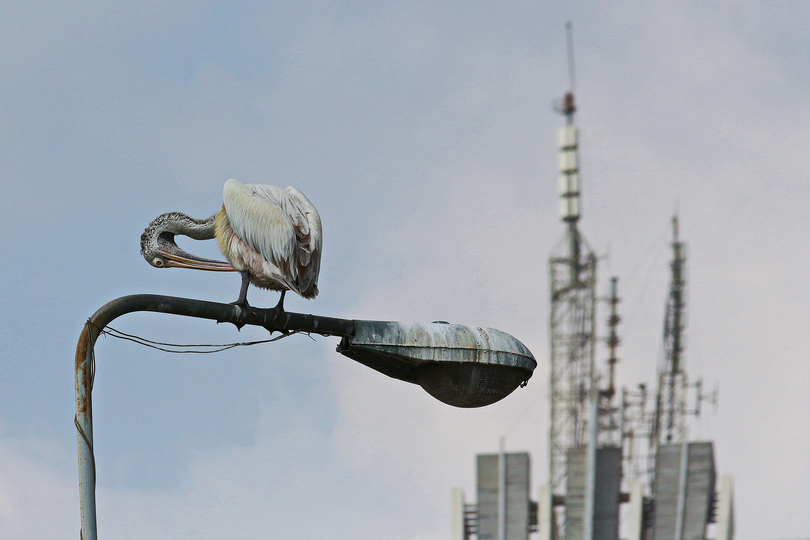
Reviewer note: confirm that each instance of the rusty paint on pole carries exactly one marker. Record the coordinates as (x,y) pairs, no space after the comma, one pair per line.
(84,428)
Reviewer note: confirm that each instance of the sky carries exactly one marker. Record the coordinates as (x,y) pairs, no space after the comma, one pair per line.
(424,134)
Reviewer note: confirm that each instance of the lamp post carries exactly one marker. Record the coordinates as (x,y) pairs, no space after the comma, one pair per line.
(459,365)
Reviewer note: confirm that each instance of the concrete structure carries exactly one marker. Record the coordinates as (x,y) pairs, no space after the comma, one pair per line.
(607,488)
(684,490)
(503,496)
(725,509)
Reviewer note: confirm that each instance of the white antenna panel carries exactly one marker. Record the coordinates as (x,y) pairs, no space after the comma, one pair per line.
(568,161)
(568,137)
(569,184)
(569,208)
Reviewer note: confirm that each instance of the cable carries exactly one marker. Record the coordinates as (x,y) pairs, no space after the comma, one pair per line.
(112,332)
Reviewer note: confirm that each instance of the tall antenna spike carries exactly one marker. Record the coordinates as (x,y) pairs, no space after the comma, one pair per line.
(675,229)
(566,107)
(569,38)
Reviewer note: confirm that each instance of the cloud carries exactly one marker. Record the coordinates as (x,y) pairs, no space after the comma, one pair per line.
(37,498)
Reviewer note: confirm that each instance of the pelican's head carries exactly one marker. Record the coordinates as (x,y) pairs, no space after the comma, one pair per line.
(160,250)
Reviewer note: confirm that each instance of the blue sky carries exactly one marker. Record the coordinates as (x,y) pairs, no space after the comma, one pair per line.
(423,133)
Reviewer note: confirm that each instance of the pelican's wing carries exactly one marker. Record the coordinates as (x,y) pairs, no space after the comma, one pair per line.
(282,226)
(308,250)
(258,219)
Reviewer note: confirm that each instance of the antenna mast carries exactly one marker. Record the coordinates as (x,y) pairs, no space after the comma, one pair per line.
(670,410)
(569,108)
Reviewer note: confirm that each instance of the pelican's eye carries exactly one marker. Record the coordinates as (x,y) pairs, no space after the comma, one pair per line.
(157,261)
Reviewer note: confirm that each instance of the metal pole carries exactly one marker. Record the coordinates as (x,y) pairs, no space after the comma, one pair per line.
(84,427)
(270,319)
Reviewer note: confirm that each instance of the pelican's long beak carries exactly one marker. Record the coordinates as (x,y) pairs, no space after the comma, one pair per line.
(176,261)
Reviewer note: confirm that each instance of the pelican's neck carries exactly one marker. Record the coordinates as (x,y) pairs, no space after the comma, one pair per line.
(157,241)
(178,223)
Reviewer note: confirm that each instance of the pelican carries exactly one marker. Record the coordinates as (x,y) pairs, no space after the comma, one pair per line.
(270,235)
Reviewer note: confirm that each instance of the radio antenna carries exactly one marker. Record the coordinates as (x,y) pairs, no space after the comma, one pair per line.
(566,106)
(569,38)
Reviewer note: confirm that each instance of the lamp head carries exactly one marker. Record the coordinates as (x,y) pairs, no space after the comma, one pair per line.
(460,365)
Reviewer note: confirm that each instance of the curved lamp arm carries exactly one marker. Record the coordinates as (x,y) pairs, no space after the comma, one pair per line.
(271,319)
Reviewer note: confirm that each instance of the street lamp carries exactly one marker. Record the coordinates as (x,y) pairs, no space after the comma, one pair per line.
(463,366)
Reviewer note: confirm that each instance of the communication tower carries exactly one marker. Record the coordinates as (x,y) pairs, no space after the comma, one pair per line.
(584,435)
(605,449)
(573,305)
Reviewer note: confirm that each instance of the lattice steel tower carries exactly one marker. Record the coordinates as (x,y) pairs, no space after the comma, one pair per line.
(573,303)
(670,411)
